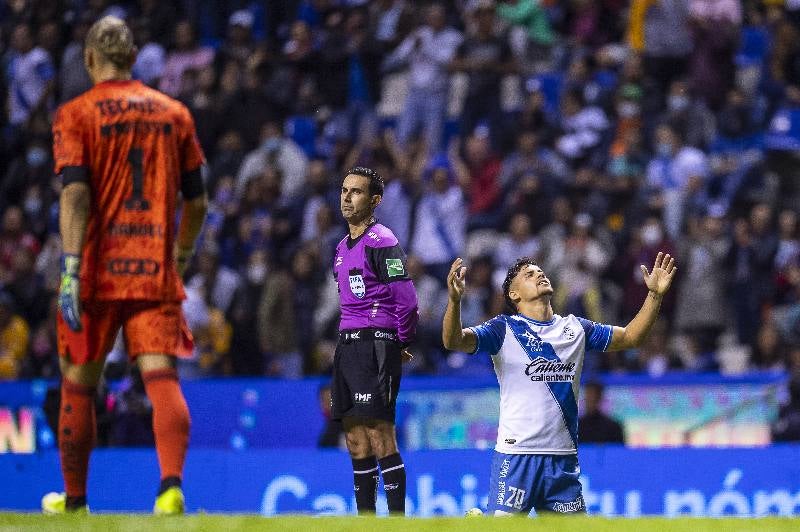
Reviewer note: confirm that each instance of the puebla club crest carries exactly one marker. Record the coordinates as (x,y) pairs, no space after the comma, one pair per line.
(357,283)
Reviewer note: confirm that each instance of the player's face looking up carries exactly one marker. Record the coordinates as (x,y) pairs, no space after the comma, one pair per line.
(356,203)
(529,284)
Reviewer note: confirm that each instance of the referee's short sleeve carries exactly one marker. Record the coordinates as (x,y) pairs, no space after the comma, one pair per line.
(388,263)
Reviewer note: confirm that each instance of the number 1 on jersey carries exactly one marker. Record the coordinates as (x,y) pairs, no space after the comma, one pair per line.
(136,201)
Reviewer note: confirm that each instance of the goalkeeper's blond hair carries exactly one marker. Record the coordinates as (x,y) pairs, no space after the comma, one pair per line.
(113,40)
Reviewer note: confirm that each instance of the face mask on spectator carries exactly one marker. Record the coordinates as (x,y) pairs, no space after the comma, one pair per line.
(664,149)
(36,157)
(677,102)
(627,110)
(32,206)
(651,235)
(271,144)
(256,273)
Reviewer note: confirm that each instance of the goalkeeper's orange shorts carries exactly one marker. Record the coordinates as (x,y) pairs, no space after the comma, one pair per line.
(149,327)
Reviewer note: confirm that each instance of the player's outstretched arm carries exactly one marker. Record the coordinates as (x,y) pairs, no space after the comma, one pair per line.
(454,336)
(658,282)
(193,215)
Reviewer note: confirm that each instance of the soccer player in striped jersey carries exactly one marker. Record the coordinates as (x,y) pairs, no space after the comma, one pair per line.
(538,357)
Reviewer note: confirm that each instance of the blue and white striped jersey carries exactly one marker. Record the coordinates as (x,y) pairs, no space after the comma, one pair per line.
(538,365)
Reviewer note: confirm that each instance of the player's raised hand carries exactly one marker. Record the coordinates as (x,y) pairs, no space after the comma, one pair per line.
(456,282)
(69,291)
(660,278)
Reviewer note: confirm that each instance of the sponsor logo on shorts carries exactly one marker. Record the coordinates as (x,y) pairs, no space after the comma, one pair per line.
(394,267)
(569,507)
(510,441)
(362,398)
(390,487)
(131,266)
(383,335)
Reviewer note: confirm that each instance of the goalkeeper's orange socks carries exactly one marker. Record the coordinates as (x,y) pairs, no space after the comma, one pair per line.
(76,434)
(394,482)
(170,423)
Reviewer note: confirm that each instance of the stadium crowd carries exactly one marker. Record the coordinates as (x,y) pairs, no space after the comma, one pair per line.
(588,134)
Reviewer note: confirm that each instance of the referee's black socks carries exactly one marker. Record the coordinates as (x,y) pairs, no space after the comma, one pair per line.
(365,479)
(394,483)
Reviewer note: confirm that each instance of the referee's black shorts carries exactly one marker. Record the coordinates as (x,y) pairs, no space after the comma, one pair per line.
(367,368)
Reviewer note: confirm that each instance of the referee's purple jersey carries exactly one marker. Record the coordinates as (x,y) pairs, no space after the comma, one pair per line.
(374,287)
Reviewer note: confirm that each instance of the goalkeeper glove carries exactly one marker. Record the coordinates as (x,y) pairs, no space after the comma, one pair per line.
(69,291)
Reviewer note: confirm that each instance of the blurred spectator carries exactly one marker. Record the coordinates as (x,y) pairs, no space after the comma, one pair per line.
(13,238)
(186,55)
(238,45)
(531,15)
(390,21)
(278,152)
(788,251)
(427,51)
(350,73)
(441,219)
(554,235)
(519,242)
(787,427)
(700,308)
(218,284)
(286,308)
(14,338)
(654,357)
(486,58)
(660,29)
(132,414)
(715,29)
(595,426)
(26,287)
(750,261)
(581,128)
(688,116)
(212,336)
(770,352)
(644,246)
(150,60)
(530,156)
(432,299)
(332,435)
(480,179)
(675,174)
(245,354)
(74,79)
(31,77)
(578,279)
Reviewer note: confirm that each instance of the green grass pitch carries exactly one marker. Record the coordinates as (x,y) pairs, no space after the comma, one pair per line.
(196,523)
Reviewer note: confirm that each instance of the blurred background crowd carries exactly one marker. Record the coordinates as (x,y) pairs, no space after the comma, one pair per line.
(588,134)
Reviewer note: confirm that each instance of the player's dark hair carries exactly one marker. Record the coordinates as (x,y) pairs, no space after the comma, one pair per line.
(513,271)
(375,179)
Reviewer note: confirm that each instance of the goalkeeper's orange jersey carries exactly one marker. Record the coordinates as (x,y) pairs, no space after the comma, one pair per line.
(135,143)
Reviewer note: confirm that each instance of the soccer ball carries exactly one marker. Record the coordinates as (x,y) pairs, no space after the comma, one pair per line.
(473,512)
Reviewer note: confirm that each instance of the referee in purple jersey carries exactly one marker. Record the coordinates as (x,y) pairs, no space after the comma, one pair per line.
(379,320)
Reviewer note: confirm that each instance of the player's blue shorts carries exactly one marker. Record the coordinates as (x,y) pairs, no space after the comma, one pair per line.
(542,482)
